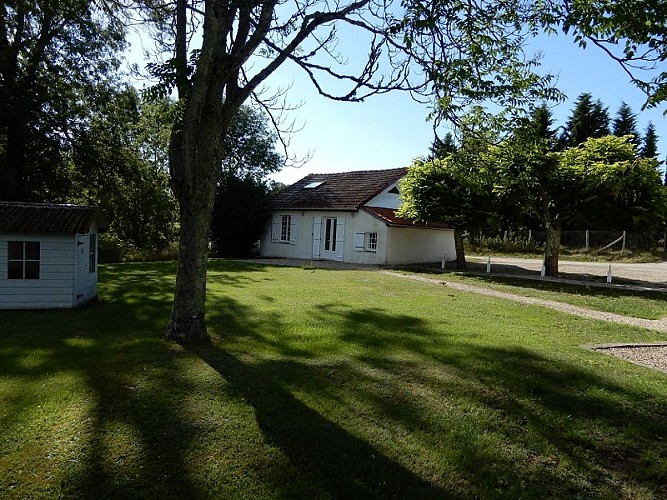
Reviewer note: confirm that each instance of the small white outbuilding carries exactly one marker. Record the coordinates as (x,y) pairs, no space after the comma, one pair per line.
(48,255)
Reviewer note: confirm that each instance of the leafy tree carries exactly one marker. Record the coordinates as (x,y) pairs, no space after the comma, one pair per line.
(250,147)
(455,188)
(649,147)
(239,215)
(588,119)
(447,190)
(52,55)
(243,189)
(625,123)
(630,32)
(599,183)
(615,188)
(118,164)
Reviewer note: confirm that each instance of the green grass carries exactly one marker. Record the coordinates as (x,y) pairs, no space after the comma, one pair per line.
(322,384)
(637,304)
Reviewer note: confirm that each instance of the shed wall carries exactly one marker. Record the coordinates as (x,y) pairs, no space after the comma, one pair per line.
(55,286)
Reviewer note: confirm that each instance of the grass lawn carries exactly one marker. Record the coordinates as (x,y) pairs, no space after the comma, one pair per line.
(323,384)
(638,304)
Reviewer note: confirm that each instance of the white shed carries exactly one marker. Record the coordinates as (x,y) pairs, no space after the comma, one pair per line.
(48,255)
(351,217)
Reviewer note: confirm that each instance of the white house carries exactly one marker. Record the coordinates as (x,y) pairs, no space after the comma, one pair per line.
(351,217)
(48,255)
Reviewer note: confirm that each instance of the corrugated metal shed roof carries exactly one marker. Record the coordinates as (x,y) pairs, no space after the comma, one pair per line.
(342,191)
(18,217)
(388,216)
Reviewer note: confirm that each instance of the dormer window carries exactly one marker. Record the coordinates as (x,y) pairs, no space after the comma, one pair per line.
(313,185)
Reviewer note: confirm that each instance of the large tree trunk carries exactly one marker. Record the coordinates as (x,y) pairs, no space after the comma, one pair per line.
(552,250)
(460,251)
(187,321)
(194,162)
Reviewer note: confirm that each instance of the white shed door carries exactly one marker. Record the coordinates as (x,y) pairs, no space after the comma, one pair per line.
(317,236)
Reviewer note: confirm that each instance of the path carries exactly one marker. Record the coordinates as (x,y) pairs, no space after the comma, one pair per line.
(659,325)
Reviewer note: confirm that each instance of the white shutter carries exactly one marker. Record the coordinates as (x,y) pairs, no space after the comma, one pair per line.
(317,236)
(294,222)
(340,239)
(359,242)
(275,228)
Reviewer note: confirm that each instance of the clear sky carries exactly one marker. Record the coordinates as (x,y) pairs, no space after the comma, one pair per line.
(390,130)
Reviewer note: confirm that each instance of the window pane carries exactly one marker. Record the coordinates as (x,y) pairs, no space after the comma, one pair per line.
(15,250)
(31,270)
(15,270)
(32,250)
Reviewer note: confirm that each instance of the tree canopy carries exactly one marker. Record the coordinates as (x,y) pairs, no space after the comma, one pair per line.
(52,55)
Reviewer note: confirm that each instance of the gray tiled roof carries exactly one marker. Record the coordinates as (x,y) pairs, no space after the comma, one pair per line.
(21,217)
(340,191)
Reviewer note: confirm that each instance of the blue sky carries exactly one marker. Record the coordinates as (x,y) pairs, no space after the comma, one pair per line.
(390,130)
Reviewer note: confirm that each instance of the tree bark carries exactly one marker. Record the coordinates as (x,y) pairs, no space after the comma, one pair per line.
(552,250)
(460,251)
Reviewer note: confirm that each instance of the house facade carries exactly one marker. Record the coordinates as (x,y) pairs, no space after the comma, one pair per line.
(351,217)
(48,255)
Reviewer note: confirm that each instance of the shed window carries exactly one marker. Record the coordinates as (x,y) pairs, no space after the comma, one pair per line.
(92,255)
(23,260)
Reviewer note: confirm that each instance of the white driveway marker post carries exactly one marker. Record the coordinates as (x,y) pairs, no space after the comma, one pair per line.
(488,265)
(609,274)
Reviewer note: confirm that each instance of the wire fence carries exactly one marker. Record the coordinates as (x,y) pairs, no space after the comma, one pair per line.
(584,239)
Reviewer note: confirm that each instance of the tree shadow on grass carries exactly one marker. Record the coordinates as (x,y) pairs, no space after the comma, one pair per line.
(330,460)
(524,423)
(479,420)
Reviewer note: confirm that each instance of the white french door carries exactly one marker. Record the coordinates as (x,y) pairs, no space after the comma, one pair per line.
(329,241)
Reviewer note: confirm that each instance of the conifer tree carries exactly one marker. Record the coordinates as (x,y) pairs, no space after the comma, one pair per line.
(649,147)
(588,119)
(625,123)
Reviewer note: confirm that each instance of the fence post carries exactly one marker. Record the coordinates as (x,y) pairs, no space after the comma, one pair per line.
(530,235)
(609,274)
(623,244)
(587,238)
(488,265)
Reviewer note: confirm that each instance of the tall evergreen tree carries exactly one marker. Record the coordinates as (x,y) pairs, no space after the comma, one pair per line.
(588,119)
(442,147)
(542,122)
(649,146)
(625,123)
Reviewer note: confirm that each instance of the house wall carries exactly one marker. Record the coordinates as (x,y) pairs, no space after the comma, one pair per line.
(55,286)
(64,277)
(302,247)
(413,245)
(386,199)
